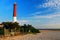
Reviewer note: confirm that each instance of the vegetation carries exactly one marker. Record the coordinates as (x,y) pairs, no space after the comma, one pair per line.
(1,31)
(33,30)
(28,29)
(11,25)
(15,27)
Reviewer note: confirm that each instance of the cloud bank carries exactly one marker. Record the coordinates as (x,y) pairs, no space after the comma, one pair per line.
(55,4)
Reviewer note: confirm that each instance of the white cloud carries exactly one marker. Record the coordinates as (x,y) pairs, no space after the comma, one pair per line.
(21,22)
(54,20)
(55,4)
(53,23)
(36,13)
(47,16)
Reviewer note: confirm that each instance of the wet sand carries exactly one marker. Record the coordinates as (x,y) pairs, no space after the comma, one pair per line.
(44,35)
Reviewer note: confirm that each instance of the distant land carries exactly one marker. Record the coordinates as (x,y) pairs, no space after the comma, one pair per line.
(49,29)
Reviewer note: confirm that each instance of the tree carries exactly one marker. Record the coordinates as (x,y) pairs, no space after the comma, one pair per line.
(23,28)
(28,28)
(16,26)
(1,31)
(32,29)
(6,24)
(11,25)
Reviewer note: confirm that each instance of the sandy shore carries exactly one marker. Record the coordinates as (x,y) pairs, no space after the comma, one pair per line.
(44,35)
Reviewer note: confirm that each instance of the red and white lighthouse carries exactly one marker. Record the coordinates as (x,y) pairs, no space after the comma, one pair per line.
(14,13)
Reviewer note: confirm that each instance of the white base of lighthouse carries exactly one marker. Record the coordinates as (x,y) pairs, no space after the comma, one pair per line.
(14,19)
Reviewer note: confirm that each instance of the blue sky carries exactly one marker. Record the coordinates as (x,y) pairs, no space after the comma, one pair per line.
(39,13)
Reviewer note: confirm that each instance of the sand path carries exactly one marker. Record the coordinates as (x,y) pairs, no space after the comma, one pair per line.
(44,35)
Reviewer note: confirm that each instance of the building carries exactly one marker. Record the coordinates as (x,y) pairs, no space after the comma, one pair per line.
(14,13)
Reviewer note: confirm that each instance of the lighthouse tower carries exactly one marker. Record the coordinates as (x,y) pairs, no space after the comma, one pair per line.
(14,13)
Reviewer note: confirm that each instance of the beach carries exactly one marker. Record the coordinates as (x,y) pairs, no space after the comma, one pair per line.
(44,35)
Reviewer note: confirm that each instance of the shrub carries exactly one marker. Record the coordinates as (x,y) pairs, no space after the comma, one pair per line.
(27,28)
(33,30)
(1,31)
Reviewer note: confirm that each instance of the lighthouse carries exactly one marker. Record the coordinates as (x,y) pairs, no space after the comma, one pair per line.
(14,13)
